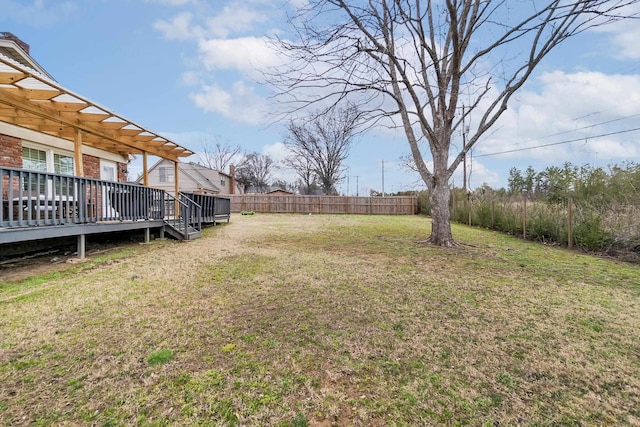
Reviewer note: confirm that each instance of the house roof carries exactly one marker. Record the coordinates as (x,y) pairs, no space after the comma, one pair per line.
(202,176)
(33,100)
(14,48)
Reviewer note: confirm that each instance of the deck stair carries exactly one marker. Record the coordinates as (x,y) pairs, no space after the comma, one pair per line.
(178,232)
(183,219)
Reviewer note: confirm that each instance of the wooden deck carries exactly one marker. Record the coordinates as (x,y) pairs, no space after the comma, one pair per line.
(39,205)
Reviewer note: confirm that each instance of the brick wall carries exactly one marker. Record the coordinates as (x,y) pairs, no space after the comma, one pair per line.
(10,151)
(91,166)
(10,156)
(122,177)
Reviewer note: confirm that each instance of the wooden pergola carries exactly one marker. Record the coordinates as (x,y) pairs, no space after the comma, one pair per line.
(34,101)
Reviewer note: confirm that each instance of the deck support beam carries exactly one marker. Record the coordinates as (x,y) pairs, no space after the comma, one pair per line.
(82,246)
(77,153)
(175,175)
(147,235)
(145,171)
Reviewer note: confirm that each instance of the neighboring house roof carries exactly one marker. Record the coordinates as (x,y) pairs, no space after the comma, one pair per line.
(31,99)
(267,190)
(202,176)
(280,191)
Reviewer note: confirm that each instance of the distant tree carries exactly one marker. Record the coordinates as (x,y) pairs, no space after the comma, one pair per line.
(591,185)
(284,185)
(558,183)
(255,170)
(515,181)
(529,180)
(322,142)
(410,64)
(219,155)
(304,169)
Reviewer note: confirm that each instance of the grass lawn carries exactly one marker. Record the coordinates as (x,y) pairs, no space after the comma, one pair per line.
(296,320)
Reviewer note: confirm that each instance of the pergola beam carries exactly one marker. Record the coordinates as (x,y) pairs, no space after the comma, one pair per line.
(32,100)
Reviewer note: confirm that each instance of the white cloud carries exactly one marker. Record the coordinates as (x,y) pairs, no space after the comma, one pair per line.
(243,54)
(239,102)
(277,151)
(579,106)
(191,78)
(478,173)
(234,19)
(624,34)
(179,28)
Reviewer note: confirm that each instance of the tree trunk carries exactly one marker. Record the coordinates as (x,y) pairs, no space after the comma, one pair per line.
(439,194)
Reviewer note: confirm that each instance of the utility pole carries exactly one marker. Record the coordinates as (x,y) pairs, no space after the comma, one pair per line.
(357,192)
(347,182)
(464,146)
(383,178)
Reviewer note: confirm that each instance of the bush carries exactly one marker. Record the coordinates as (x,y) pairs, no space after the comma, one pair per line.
(508,219)
(589,231)
(547,223)
(424,203)
(482,215)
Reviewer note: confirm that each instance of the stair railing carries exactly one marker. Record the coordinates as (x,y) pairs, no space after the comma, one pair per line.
(177,214)
(194,218)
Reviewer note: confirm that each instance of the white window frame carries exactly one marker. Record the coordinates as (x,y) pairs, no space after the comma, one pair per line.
(50,153)
(49,156)
(111,165)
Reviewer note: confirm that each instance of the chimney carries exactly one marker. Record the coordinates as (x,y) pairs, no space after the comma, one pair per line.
(232,181)
(9,36)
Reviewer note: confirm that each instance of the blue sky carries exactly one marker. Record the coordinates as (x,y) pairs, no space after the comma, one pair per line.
(187,69)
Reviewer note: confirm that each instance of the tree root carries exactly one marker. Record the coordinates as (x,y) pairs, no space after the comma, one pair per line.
(448,244)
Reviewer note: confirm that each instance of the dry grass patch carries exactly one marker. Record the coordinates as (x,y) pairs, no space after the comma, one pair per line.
(326,320)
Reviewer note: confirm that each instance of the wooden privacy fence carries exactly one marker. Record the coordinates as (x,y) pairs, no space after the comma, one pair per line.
(392,205)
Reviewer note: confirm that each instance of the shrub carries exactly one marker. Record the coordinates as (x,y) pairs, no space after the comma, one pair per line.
(589,232)
(424,203)
(547,223)
(482,215)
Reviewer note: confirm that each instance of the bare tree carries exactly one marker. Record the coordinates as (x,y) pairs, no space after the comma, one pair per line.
(323,142)
(255,170)
(305,171)
(219,155)
(409,63)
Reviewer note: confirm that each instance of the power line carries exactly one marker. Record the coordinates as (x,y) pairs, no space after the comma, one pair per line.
(578,129)
(559,143)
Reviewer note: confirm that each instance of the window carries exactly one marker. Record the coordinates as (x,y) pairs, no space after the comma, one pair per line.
(62,164)
(35,159)
(222,181)
(166,174)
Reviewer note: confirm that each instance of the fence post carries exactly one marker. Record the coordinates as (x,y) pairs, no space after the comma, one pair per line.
(524,219)
(570,220)
(493,214)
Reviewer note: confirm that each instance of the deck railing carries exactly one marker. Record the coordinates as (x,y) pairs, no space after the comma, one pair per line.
(214,208)
(32,198)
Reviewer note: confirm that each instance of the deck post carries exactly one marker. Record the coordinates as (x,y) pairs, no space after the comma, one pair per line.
(145,172)
(77,153)
(81,246)
(147,235)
